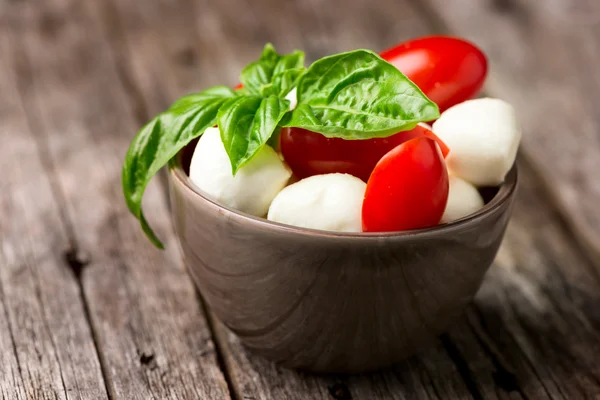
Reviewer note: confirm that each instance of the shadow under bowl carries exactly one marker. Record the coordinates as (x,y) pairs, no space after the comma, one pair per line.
(327,301)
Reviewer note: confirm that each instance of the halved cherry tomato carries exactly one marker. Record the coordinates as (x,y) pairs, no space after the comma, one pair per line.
(309,153)
(408,188)
(448,70)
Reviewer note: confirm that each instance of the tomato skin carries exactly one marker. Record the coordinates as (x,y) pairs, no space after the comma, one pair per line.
(310,153)
(408,188)
(447,69)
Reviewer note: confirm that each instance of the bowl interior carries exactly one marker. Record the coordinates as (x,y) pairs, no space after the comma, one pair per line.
(493,197)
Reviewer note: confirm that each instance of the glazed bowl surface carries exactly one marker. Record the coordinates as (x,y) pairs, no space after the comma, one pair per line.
(334,302)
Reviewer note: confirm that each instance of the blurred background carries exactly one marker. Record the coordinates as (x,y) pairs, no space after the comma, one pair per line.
(78,78)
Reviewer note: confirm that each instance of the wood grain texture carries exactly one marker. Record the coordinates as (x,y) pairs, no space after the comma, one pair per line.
(543,57)
(537,312)
(431,375)
(46,345)
(149,327)
(78,78)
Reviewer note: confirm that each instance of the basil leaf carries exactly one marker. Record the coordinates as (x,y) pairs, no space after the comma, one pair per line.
(289,61)
(195,99)
(162,138)
(258,76)
(283,82)
(358,95)
(246,123)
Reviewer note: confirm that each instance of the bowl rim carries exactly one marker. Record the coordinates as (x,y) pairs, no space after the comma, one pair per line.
(504,194)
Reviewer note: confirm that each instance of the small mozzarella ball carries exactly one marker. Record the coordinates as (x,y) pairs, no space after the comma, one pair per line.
(331,202)
(252,188)
(291,96)
(463,200)
(483,136)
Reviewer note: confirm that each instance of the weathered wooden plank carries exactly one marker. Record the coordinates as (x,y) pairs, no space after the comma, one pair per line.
(543,57)
(46,345)
(538,306)
(150,329)
(431,375)
(165,52)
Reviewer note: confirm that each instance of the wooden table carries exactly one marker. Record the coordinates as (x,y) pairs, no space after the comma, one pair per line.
(89,309)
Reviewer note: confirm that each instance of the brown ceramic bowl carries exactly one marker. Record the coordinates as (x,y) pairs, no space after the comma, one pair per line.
(334,302)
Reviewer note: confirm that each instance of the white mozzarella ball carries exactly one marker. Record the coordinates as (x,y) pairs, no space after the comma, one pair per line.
(252,188)
(291,96)
(483,136)
(463,200)
(331,202)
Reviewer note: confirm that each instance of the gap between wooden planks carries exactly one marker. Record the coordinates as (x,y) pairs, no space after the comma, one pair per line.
(46,345)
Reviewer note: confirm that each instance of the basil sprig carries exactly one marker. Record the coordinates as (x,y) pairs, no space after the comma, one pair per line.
(352,95)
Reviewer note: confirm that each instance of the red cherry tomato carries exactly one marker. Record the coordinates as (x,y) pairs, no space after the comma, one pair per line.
(448,70)
(309,153)
(408,188)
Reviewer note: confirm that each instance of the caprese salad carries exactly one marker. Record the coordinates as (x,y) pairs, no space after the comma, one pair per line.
(343,145)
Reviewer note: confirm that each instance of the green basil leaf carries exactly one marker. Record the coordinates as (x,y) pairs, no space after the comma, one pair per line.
(289,61)
(210,94)
(246,124)
(269,54)
(283,82)
(358,95)
(260,74)
(162,138)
